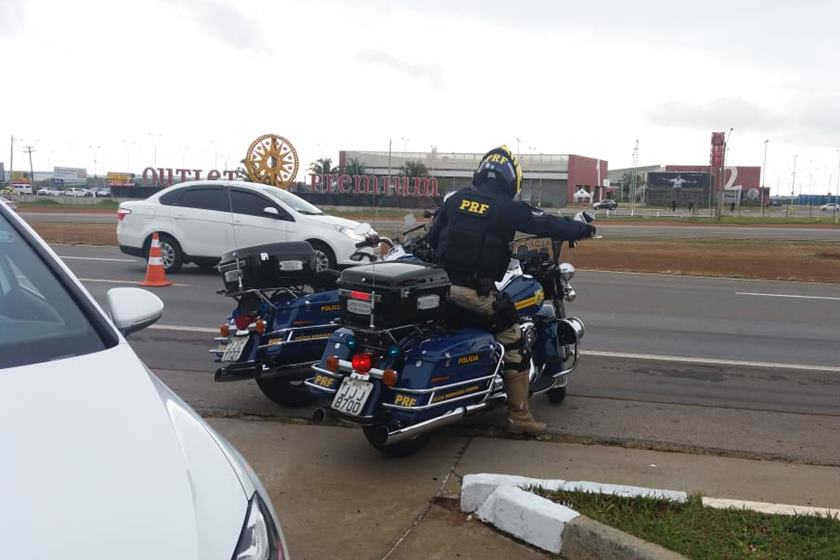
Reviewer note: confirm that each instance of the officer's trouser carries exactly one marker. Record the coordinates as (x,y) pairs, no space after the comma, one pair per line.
(509,338)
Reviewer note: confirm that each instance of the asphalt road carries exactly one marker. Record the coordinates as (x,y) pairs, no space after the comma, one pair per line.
(678,361)
(611,230)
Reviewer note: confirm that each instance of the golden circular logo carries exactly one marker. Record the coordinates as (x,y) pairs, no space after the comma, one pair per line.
(272,160)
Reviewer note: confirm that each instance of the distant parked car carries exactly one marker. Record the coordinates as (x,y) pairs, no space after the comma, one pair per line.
(75,192)
(22,189)
(830,207)
(48,191)
(199,220)
(774,203)
(102,193)
(607,204)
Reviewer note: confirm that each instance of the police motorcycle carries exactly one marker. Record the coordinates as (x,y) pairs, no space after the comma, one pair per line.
(404,364)
(286,309)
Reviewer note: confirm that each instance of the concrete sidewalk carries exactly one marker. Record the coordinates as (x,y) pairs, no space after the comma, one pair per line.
(338,498)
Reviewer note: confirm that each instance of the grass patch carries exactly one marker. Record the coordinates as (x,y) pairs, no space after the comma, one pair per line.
(809,261)
(711,534)
(52,204)
(77,234)
(826,220)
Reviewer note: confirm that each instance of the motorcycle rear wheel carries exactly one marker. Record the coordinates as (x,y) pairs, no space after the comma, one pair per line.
(556,395)
(401,449)
(286,392)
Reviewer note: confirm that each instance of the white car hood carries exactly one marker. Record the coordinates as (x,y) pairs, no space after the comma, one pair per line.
(333,220)
(95,464)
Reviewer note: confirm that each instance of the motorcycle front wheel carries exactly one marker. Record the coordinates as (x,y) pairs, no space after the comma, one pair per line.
(401,449)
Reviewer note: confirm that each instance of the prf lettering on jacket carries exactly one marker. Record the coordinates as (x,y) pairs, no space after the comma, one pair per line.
(473,207)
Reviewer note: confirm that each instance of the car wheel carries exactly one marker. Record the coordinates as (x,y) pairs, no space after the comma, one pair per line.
(324,256)
(170,253)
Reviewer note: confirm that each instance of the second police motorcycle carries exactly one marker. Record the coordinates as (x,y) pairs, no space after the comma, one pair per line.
(404,363)
(286,309)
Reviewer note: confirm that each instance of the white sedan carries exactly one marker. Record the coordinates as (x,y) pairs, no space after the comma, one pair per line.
(199,220)
(830,207)
(99,458)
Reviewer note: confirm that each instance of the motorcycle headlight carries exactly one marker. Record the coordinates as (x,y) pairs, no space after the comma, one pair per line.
(259,539)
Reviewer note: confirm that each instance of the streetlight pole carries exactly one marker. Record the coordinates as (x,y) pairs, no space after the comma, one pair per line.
(792,184)
(633,179)
(764,175)
(836,196)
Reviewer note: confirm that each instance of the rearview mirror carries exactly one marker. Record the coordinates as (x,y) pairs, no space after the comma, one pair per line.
(271,211)
(133,309)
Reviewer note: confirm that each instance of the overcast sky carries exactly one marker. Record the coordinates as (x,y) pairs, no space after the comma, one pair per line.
(200,79)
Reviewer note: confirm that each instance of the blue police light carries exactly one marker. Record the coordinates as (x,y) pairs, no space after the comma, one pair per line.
(351,343)
(394,351)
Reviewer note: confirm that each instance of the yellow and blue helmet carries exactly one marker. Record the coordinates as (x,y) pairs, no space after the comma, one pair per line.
(500,166)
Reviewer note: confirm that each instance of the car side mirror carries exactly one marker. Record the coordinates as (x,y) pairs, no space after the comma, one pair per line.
(271,211)
(133,309)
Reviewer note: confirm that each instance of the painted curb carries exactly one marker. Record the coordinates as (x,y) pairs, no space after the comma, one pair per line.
(772,509)
(526,516)
(501,501)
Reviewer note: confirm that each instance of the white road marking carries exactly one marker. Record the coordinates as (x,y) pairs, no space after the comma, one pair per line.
(67,257)
(130,282)
(786,296)
(708,361)
(183,328)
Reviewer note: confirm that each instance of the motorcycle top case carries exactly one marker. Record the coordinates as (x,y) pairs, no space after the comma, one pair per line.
(395,292)
(273,265)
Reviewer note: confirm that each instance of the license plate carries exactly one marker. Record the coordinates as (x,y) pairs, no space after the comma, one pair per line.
(352,396)
(234,348)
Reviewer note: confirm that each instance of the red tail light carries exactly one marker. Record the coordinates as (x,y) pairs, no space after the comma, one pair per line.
(122,213)
(242,321)
(360,295)
(361,363)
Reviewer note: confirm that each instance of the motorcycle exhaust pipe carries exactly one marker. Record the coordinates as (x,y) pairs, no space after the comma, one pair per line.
(385,437)
(318,416)
(416,430)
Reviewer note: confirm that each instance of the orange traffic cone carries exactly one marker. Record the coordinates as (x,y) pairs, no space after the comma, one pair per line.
(155,275)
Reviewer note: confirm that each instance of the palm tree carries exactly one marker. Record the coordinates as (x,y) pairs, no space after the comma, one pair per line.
(354,167)
(414,169)
(322,166)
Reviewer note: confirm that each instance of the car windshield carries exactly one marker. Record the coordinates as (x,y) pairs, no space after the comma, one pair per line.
(294,202)
(39,319)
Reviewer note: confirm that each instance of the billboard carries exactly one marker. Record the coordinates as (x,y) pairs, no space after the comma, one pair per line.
(71,175)
(683,189)
(118,179)
(21,178)
(672,181)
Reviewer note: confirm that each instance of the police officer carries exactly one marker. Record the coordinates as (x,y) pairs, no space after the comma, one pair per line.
(471,236)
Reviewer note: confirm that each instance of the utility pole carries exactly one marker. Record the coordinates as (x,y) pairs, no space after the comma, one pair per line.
(28,150)
(763,175)
(836,196)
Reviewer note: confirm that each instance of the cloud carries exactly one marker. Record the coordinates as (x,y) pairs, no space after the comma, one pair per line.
(431,72)
(222,21)
(807,119)
(12,16)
